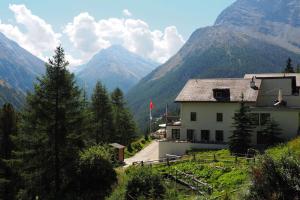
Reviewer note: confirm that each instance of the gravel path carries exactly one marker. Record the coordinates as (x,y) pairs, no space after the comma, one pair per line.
(148,153)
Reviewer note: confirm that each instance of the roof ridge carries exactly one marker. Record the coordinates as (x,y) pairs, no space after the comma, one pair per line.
(194,79)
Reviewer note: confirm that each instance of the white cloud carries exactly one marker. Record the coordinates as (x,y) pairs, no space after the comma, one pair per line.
(84,35)
(127,13)
(89,36)
(37,37)
(73,61)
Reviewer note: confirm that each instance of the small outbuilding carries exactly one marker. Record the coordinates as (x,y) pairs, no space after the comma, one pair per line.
(119,151)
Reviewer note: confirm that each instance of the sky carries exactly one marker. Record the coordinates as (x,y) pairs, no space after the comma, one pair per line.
(154,29)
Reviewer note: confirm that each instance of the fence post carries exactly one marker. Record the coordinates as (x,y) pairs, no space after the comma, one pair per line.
(254,159)
(215,159)
(168,161)
(142,163)
(194,157)
(236,159)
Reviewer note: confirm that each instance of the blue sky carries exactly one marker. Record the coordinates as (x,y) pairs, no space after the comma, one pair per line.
(165,24)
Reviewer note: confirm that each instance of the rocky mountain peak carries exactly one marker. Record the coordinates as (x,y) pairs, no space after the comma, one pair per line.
(253,12)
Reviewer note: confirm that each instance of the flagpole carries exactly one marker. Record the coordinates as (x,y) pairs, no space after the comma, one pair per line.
(150,121)
(166,119)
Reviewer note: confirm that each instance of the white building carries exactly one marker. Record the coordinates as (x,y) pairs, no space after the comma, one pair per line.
(208,106)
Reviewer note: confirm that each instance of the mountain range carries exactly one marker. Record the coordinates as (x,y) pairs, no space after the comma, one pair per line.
(250,36)
(18,71)
(114,67)
(18,67)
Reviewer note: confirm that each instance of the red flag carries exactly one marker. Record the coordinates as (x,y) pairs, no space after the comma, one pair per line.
(151,105)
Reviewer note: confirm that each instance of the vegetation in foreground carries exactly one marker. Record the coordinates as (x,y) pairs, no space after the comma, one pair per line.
(273,175)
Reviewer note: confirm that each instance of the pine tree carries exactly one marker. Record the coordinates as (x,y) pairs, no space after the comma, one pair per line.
(289,67)
(123,120)
(271,133)
(298,68)
(241,138)
(52,129)
(8,175)
(102,116)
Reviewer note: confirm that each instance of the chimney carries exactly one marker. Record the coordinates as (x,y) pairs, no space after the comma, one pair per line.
(252,84)
(280,98)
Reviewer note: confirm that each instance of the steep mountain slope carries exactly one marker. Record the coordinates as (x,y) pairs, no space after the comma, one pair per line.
(230,48)
(18,67)
(9,95)
(115,67)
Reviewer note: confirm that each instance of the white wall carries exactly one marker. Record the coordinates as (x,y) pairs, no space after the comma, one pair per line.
(207,118)
(180,148)
(269,92)
(288,120)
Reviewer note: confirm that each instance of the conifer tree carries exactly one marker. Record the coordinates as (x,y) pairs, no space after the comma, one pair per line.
(298,68)
(124,125)
(272,132)
(52,129)
(102,116)
(8,174)
(241,138)
(289,67)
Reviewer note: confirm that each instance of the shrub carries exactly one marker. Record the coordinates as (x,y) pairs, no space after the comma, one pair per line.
(96,174)
(276,179)
(144,183)
(137,146)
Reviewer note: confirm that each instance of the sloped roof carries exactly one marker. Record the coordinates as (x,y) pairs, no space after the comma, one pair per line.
(201,90)
(116,145)
(275,75)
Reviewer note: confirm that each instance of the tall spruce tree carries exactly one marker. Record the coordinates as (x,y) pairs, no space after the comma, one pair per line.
(289,66)
(9,179)
(240,140)
(298,68)
(102,116)
(124,124)
(272,132)
(52,129)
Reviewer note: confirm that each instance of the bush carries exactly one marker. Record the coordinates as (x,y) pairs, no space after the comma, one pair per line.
(144,183)
(137,146)
(96,174)
(276,179)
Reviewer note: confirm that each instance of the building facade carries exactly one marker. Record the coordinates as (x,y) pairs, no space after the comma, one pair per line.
(208,106)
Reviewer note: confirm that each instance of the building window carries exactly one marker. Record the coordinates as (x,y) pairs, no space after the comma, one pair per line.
(219,136)
(260,119)
(221,94)
(255,119)
(176,134)
(205,135)
(190,135)
(193,116)
(264,118)
(260,139)
(219,117)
